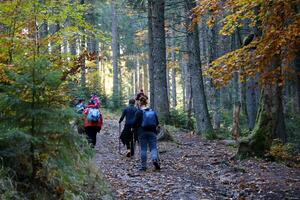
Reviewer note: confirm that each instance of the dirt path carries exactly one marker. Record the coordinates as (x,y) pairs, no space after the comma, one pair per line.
(194,169)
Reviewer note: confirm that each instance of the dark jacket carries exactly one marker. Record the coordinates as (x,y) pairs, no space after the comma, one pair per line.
(128,114)
(138,119)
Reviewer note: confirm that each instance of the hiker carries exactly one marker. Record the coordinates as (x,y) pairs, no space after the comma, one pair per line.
(146,121)
(128,137)
(95,99)
(140,94)
(80,106)
(92,122)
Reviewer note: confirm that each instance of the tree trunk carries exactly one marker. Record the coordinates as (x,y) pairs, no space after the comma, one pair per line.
(103,74)
(115,55)
(173,73)
(174,96)
(190,125)
(91,19)
(161,101)
(251,102)
(269,122)
(98,77)
(132,85)
(55,48)
(203,40)
(242,85)
(203,123)
(43,32)
(82,59)
(65,46)
(297,66)
(183,78)
(136,80)
(141,76)
(145,79)
(82,64)
(212,55)
(188,86)
(168,74)
(235,132)
(216,115)
(73,45)
(237,85)
(150,52)
(188,91)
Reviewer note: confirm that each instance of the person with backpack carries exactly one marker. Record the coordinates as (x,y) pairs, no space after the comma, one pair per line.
(80,106)
(146,122)
(128,137)
(92,122)
(95,99)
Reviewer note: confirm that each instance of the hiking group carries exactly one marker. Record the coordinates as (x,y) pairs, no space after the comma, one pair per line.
(140,127)
(92,122)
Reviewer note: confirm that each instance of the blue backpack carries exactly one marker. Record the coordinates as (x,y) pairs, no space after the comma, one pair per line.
(93,115)
(149,119)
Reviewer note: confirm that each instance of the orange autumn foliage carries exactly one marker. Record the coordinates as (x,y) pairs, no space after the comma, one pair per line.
(279,22)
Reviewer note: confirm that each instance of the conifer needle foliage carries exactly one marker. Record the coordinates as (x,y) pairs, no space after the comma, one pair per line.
(41,156)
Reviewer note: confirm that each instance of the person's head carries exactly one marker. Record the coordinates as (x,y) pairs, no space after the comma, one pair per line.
(143,101)
(80,100)
(142,91)
(131,102)
(91,102)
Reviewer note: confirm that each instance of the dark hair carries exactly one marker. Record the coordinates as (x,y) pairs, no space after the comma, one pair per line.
(92,102)
(143,100)
(131,101)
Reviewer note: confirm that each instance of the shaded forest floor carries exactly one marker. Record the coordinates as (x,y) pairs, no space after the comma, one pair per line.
(192,168)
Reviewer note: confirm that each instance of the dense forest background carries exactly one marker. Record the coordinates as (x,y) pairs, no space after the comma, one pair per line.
(222,69)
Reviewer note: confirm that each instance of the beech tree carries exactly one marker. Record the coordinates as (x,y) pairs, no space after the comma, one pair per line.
(279,25)
(203,123)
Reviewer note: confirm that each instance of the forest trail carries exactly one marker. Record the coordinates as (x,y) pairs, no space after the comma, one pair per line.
(192,169)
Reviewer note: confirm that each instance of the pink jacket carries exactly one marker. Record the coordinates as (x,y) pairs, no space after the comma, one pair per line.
(96,100)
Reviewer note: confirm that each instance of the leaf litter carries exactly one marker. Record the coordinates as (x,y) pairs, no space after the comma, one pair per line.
(200,170)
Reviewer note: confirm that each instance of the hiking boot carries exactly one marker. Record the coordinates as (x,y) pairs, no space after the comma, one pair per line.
(156,164)
(128,154)
(142,169)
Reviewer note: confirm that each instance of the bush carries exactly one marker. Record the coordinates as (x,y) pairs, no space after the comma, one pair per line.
(42,156)
(179,119)
(285,152)
(293,129)
(210,135)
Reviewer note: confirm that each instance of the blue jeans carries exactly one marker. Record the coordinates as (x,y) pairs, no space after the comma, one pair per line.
(145,139)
